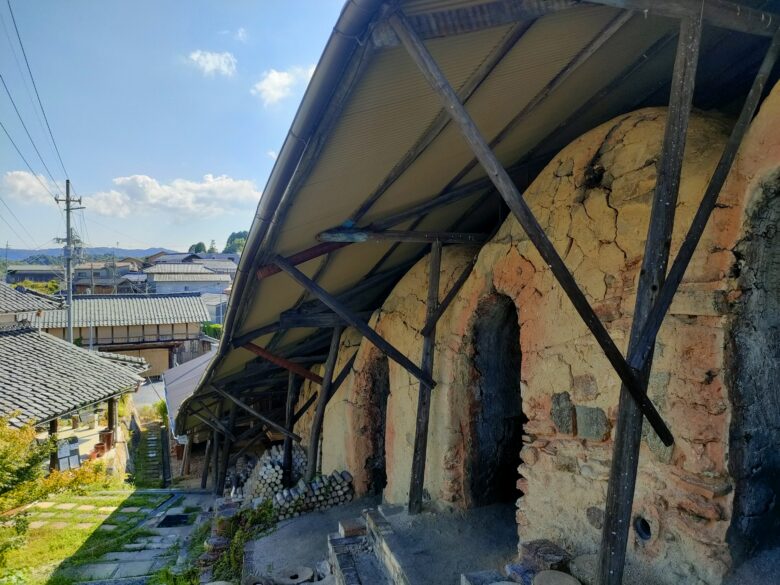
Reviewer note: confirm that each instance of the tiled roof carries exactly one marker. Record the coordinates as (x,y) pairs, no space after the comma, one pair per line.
(173,258)
(197,277)
(137,364)
(35,268)
(177,268)
(22,301)
(42,377)
(129,309)
(217,265)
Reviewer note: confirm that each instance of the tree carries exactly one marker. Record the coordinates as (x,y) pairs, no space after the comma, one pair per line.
(213,247)
(47,288)
(236,242)
(198,248)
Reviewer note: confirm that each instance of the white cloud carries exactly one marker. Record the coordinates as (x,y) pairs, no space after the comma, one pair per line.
(212,195)
(272,154)
(241,35)
(214,63)
(141,194)
(276,85)
(25,187)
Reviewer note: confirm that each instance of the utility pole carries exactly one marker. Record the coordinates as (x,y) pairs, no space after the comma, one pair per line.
(69,254)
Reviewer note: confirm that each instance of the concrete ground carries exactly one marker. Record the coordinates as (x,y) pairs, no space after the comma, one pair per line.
(301,541)
(149,393)
(436,548)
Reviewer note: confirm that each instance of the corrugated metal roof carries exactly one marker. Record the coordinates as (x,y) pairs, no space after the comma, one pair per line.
(178,268)
(131,309)
(21,300)
(196,277)
(42,377)
(569,70)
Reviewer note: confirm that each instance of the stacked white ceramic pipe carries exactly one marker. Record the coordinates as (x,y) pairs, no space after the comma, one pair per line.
(325,491)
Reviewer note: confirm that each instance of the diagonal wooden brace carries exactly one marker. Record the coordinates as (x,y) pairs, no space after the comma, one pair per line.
(353,320)
(527,220)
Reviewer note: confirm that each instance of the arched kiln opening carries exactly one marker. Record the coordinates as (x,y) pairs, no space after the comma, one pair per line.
(754,370)
(379,391)
(496,404)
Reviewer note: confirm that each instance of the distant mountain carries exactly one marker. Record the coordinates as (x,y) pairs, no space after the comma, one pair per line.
(16,254)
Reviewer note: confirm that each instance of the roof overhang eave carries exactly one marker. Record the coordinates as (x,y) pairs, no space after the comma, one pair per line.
(351,26)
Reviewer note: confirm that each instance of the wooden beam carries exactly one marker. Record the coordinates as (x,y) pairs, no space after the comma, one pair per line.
(289,424)
(628,435)
(456,21)
(372,235)
(226,445)
(646,342)
(417,480)
(299,258)
(204,479)
(267,421)
(319,414)
(720,13)
(441,121)
(333,389)
(214,424)
(282,362)
(336,306)
(430,323)
(255,333)
(292,319)
(527,220)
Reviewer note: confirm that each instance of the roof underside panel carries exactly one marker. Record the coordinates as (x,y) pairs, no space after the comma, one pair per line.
(533,86)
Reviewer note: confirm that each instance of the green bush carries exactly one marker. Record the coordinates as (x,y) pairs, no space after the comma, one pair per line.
(213,330)
(161,410)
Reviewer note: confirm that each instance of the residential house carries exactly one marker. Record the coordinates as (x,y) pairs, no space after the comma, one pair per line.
(43,378)
(232,256)
(219,266)
(101,277)
(34,272)
(164,329)
(185,277)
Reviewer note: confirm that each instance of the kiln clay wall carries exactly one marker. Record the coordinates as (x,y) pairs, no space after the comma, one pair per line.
(594,200)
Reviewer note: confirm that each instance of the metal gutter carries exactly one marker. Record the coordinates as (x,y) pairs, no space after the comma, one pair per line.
(345,39)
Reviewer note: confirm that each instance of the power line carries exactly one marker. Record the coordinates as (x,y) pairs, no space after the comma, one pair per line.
(32,172)
(5,221)
(35,87)
(11,211)
(19,115)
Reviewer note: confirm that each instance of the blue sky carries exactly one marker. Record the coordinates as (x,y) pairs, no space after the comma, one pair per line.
(168,114)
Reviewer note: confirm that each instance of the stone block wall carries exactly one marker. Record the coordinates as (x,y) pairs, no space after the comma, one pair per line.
(593,200)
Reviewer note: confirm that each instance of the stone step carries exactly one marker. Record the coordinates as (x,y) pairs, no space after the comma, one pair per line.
(384,541)
(354,562)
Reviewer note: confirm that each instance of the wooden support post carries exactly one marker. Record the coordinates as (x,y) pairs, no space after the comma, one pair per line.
(417,237)
(53,459)
(424,395)
(526,218)
(186,461)
(333,389)
(430,323)
(112,418)
(206,462)
(289,413)
(212,422)
(226,444)
(319,415)
(215,459)
(349,317)
(267,421)
(628,435)
(646,342)
(282,362)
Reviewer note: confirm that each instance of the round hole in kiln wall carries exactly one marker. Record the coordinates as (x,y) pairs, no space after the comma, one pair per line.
(642,528)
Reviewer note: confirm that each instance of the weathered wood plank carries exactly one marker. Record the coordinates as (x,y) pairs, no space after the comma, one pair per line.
(282,362)
(319,414)
(628,435)
(289,424)
(419,237)
(333,303)
(419,455)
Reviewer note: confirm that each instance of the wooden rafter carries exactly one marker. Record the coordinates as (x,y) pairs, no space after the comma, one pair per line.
(527,220)
(264,419)
(282,362)
(419,237)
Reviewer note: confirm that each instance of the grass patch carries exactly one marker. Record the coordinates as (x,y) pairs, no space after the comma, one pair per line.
(191,575)
(248,524)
